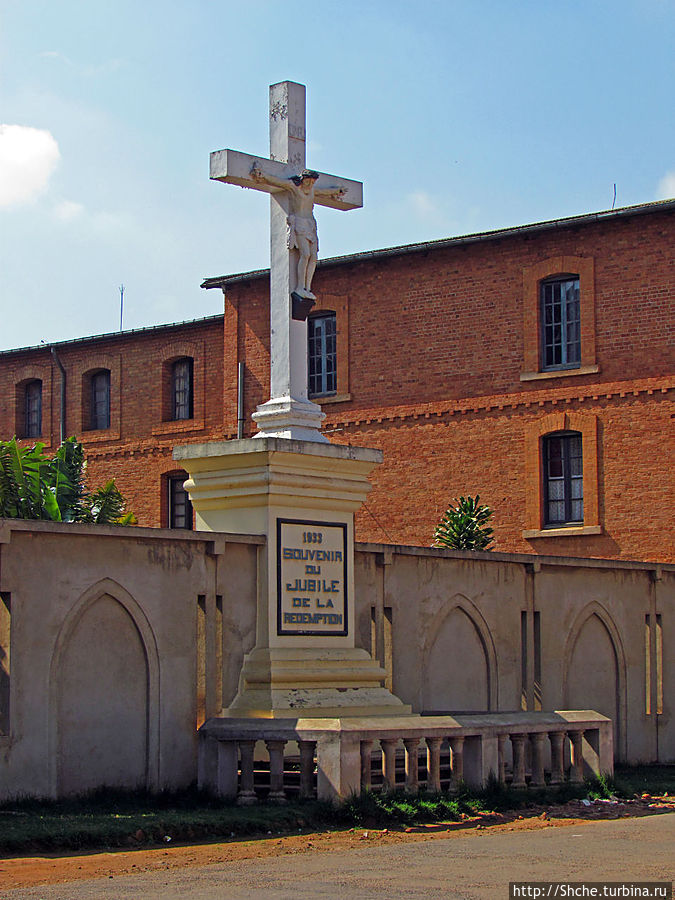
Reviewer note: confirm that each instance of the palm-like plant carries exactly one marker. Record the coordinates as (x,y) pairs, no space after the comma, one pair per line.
(464,527)
(33,486)
(106,506)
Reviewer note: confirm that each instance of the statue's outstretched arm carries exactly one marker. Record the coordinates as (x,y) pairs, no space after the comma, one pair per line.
(334,191)
(257,174)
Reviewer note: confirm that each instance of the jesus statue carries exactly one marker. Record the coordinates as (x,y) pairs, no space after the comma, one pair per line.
(301,224)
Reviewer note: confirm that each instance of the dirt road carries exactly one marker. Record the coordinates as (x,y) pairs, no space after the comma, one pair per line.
(468,861)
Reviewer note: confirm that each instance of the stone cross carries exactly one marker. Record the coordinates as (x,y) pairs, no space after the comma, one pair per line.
(289,413)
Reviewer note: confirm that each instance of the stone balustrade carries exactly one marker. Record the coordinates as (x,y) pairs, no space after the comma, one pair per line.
(339,757)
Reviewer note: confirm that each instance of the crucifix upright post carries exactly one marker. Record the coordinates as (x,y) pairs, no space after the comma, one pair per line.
(293,191)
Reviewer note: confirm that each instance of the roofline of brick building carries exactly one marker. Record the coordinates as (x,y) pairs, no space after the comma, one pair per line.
(425,246)
(113,335)
(440,244)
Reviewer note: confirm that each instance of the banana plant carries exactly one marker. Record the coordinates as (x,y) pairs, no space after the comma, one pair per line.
(25,483)
(33,486)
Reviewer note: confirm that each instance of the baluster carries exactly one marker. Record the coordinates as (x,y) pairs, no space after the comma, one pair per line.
(577,770)
(537,740)
(411,764)
(276,752)
(457,748)
(246,795)
(366,765)
(434,764)
(388,763)
(518,745)
(501,761)
(307,754)
(557,739)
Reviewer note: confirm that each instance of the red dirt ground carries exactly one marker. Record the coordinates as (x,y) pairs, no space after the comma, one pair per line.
(27,871)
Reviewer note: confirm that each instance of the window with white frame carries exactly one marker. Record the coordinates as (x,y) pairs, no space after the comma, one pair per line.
(560,322)
(563,478)
(322,354)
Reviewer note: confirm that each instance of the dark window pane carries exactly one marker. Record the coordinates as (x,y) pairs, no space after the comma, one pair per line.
(100,400)
(563,478)
(560,323)
(181,381)
(180,507)
(33,409)
(322,354)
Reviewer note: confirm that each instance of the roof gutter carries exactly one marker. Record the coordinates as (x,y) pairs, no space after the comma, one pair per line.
(63,392)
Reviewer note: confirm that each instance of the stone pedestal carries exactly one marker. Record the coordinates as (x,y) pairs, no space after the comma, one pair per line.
(302,496)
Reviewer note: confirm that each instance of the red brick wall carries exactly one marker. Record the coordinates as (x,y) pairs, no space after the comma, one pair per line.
(448,323)
(436,347)
(430,461)
(137,449)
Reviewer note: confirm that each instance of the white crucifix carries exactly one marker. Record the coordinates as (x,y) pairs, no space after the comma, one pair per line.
(293,249)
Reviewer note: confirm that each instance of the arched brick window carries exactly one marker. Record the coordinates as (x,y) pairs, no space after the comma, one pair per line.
(182,388)
(96,400)
(176,501)
(562,492)
(559,318)
(29,409)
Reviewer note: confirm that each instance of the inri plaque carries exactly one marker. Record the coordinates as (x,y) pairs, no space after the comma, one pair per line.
(311,577)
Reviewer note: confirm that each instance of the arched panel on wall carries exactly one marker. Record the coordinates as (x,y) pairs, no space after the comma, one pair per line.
(460,663)
(104,695)
(594,671)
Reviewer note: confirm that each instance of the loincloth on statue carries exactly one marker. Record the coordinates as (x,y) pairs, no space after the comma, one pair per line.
(305,227)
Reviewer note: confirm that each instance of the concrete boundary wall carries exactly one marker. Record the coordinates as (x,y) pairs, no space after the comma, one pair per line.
(468,632)
(117,643)
(108,656)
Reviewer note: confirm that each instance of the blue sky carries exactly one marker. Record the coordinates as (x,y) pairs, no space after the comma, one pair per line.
(458,116)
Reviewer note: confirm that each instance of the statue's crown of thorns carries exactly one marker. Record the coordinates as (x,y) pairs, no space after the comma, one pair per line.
(306,173)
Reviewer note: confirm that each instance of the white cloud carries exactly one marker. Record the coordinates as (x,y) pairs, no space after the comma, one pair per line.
(67,210)
(423,204)
(666,188)
(28,157)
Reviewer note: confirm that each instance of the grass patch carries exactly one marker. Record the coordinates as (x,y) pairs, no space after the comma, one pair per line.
(654,779)
(114,819)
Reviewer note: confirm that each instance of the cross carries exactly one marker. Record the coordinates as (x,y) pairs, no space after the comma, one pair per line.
(289,413)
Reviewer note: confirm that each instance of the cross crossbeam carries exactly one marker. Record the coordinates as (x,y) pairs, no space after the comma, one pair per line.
(234,167)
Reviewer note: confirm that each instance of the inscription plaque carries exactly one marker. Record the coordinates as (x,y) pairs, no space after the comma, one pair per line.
(311,577)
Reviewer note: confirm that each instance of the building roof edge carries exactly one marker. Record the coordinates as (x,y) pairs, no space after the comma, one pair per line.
(221,281)
(112,335)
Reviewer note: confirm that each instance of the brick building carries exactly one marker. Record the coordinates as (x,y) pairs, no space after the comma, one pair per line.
(533,365)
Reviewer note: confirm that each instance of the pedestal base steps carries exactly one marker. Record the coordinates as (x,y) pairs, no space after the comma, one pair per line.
(282,682)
